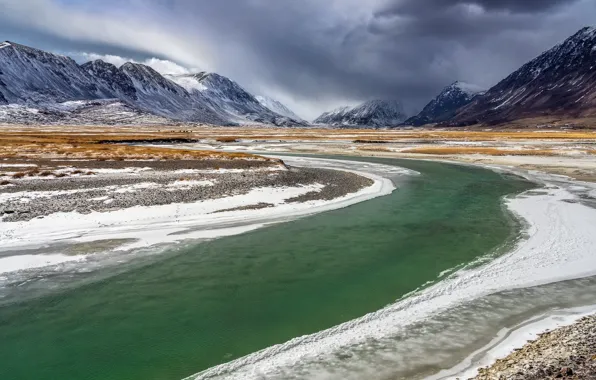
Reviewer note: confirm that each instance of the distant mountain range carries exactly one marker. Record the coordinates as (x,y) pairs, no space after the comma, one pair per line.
(35,84)
(41,87)
(560,82)
(373,114)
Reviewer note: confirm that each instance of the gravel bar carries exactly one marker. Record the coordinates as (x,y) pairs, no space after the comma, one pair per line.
(160,185)
(565,353)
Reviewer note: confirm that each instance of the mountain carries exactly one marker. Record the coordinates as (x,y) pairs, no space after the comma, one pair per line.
(30,75)
(373,114)
(112,77)
(446,104)
(157,94)
(230,100)
(560,82)
(81,112)
(277,107)
(38,86)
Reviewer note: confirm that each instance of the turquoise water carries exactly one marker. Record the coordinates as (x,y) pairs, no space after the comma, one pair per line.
(216,301)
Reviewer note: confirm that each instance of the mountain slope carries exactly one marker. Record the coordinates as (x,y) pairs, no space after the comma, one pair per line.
(446,104)
(560,82)
(229,100)
(45,83)
(81,112)
(373,114)
(277,107)
(163,97)
(32,75)
(112,77)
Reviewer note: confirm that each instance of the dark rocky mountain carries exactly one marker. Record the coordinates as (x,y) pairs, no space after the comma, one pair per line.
(371,114)
(112,77)
(230,100)
(560,82)
(34,76)
(446,104)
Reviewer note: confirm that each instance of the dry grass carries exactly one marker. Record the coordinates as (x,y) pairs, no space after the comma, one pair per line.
(480,150)
(97,143)
(374,149)
(370,142)
(19,175)
(226,139)
(75,144)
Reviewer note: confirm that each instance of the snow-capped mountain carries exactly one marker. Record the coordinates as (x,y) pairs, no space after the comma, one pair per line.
(372,114)
(446,104)
(42,82)
(277,107)
(159,95)
(30,75)
(229,99)
(560,82)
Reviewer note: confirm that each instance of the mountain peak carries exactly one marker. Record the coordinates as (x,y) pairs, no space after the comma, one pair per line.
(446,104)
(277,107)
(468,88)
(376,113)
(557,82)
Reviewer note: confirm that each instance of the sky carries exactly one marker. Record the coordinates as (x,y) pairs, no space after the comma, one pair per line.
(311,55)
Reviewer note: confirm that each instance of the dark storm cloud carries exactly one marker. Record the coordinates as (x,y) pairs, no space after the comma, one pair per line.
(406,49)
(516,6)
(317,54)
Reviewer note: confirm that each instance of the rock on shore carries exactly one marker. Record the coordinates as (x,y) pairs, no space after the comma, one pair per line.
(565,353)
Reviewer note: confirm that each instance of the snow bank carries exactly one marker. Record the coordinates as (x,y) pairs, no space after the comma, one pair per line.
(176,222)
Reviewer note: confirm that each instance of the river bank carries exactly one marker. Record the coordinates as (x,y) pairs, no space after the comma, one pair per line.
(567,352)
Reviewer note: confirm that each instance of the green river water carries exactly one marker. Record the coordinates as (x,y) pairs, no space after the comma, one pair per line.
(216,301)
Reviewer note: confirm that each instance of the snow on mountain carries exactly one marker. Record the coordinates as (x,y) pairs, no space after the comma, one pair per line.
(44,84)
(32,75)
(446,104)
(277,107)
(80,112)
(112,77)
(229,99)
(159,95)
(373,114)
(559,82)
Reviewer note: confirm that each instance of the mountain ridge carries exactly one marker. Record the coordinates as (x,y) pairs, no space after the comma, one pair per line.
(377,113)
(559,82)
(39,79)
(445,105)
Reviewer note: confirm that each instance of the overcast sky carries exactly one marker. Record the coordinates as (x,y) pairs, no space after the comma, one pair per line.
(313,55)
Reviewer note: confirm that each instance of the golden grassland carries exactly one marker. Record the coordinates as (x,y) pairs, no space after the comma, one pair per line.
(482,150)
(101,145)
(231,134)
(108,143)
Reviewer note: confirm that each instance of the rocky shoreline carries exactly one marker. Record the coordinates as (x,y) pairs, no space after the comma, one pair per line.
(152,183)
(565,353)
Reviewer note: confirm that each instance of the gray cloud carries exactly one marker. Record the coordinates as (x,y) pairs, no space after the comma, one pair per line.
(314,55)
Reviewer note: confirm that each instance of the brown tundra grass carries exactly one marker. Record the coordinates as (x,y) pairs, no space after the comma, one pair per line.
(481,150)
